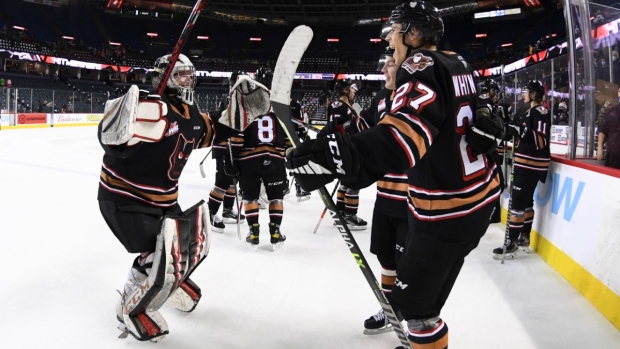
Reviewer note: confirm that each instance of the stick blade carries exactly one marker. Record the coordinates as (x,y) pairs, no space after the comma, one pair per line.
(288,61)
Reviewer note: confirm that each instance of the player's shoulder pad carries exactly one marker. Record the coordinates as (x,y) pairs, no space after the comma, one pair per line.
(541,109)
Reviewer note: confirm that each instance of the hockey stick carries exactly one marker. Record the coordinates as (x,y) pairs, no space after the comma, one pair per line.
(179,46)
(512,178)
(284,73)
(202,170)
(308,126)
(232,159)
(325,209)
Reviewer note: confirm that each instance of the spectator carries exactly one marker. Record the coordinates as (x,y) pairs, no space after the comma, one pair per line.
(609,135)
(615,64)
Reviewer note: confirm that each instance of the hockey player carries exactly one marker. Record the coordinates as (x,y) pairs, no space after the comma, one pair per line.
(452,187)
(224,189)
(490,96)
(340,112)
(301,194)
(259,151)
(389,217)
(531,162)
(147,140)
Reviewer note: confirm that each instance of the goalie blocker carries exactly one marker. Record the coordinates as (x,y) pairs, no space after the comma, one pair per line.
(137,116)
(182,244)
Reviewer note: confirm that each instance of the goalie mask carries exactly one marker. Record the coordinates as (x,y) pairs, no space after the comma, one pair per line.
(182,78)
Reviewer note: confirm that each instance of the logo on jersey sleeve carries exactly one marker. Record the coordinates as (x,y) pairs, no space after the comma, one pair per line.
(174,128)
(417,62)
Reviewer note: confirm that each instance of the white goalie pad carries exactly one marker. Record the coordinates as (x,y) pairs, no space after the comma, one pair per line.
(249,100)
(129,119)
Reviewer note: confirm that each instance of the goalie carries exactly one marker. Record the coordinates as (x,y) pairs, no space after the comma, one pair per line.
(147,141)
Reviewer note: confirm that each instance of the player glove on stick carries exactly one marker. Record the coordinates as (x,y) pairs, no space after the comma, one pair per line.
(317,162)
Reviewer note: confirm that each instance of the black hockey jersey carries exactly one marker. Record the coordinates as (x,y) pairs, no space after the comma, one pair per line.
(339,109)
(392,189)
(149,172)
(263,143)
(532,152)
(432,108)
(378,106)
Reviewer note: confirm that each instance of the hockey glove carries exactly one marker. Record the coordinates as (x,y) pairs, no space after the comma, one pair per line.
(231,169)
(515,129)
(486,132)
(317,162)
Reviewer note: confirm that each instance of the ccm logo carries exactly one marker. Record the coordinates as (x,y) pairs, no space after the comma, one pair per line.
(333,148)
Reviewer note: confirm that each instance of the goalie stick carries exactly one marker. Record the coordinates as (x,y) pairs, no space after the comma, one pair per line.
(179,46)
(284,73)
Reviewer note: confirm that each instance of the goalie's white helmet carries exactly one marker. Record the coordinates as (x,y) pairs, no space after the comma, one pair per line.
(182,78)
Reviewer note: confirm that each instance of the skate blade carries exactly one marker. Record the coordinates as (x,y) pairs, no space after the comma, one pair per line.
(217,230)
(276,246)
(303,198)
(254,247)
(524,249)
(372,332)
(233,221)
(356,228)
(510,256)
(124,331)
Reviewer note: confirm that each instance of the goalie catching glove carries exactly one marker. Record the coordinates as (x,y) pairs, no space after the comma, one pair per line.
(137,116)
(486,132)
(317,162)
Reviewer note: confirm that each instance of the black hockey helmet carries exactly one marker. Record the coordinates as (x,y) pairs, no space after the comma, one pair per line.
(489,84)
(535,86)
(389,52)
(343,87)
(420,15)
(264,75)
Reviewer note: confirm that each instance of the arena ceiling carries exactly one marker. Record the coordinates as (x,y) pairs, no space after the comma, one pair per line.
(313,11)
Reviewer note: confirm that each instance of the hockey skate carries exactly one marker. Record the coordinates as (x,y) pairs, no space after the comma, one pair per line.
(354,222)
(302,195)
(229,215)
(217,225)
(511,251)
(277,239)
(377,324)
(252,237)
(524,243)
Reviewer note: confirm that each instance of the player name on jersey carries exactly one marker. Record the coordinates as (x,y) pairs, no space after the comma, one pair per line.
(464,85)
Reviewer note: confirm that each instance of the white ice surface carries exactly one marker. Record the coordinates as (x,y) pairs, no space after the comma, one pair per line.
(61,267)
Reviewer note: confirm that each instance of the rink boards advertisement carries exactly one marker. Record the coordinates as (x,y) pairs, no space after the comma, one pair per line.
(29,120)
(577,215)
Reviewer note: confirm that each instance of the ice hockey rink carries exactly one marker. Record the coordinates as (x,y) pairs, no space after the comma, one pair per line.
(61,267)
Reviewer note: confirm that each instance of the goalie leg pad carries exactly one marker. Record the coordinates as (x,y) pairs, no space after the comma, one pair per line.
(181,245)
(186,296)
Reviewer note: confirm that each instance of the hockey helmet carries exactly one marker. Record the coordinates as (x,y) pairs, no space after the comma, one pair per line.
(389,52)
(488,85)
(264,75)
(534,86)
(420,15)
(344,86)
(183,67)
